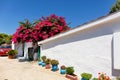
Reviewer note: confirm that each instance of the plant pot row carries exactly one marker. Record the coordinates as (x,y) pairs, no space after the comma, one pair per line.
(48,66)
(53,65)
(69,71)
(62,70)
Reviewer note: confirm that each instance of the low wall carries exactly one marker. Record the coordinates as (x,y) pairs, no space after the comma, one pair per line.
(92,55)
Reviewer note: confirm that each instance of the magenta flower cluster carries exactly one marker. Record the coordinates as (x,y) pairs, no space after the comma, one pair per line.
(44,28)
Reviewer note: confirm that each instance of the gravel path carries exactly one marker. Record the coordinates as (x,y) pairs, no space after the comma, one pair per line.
(11,69)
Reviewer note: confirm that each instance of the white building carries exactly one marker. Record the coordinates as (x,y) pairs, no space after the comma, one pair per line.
(92,47)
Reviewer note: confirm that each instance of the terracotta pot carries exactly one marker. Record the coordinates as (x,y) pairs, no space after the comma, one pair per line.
(10,56)
(71,77)
(48,66)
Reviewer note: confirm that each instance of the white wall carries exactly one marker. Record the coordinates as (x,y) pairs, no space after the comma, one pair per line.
(88,50)
(116,51)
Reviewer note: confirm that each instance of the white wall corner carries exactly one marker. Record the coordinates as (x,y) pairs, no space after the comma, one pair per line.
(116,50)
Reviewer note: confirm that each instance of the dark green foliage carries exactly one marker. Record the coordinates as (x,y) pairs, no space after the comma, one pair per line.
(12,52)
(115,7)
(4,38)
(70,70)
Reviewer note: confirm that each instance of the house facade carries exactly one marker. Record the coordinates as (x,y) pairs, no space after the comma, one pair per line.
(92,47)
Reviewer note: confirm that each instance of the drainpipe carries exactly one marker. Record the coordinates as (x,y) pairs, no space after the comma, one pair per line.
(39,50)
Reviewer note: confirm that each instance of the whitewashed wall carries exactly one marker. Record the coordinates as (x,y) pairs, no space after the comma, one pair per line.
(19,48)
(89,50)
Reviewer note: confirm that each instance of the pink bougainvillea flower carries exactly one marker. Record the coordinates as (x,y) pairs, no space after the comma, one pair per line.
(44,28)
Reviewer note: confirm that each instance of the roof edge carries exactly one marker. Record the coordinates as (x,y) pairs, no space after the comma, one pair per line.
(84,26)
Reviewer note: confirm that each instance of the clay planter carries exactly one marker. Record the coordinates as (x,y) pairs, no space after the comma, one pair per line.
(10,56)
(71,77)
(48,66)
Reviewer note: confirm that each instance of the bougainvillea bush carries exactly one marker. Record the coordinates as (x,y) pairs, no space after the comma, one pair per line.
(49,26)
(44,28)
(23,33)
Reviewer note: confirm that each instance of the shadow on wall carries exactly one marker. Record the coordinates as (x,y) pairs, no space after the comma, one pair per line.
(79,36)
(115,72)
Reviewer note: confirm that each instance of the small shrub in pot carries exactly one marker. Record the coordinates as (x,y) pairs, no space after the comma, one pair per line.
(43,59)
(54,64)
(70,73)
(70,70)
(48,62)
(86,76)
(63,69)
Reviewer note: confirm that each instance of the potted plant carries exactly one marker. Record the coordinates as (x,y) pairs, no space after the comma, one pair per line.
(11,54)
(70,73)
(43,59)
(86,76)
(63,69)
(48,61)
(103,76)
(54,64)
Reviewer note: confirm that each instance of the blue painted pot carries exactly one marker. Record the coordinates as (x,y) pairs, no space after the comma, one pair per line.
(54,67)
(40,63)
(62,71)
(43,64)
(84,79)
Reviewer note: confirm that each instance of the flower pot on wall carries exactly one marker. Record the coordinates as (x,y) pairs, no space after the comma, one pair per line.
(55,67)
(54,64)
(43,64)
(62,71)
(86,76)
(70,73)
(40,63)
(71,77)
(48,63)
(48,66)
(10,56)
(84,79)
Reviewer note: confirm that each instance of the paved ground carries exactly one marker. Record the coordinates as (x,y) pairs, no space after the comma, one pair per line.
(11,69)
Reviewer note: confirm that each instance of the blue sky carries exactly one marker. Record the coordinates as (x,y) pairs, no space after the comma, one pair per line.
(75,12)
